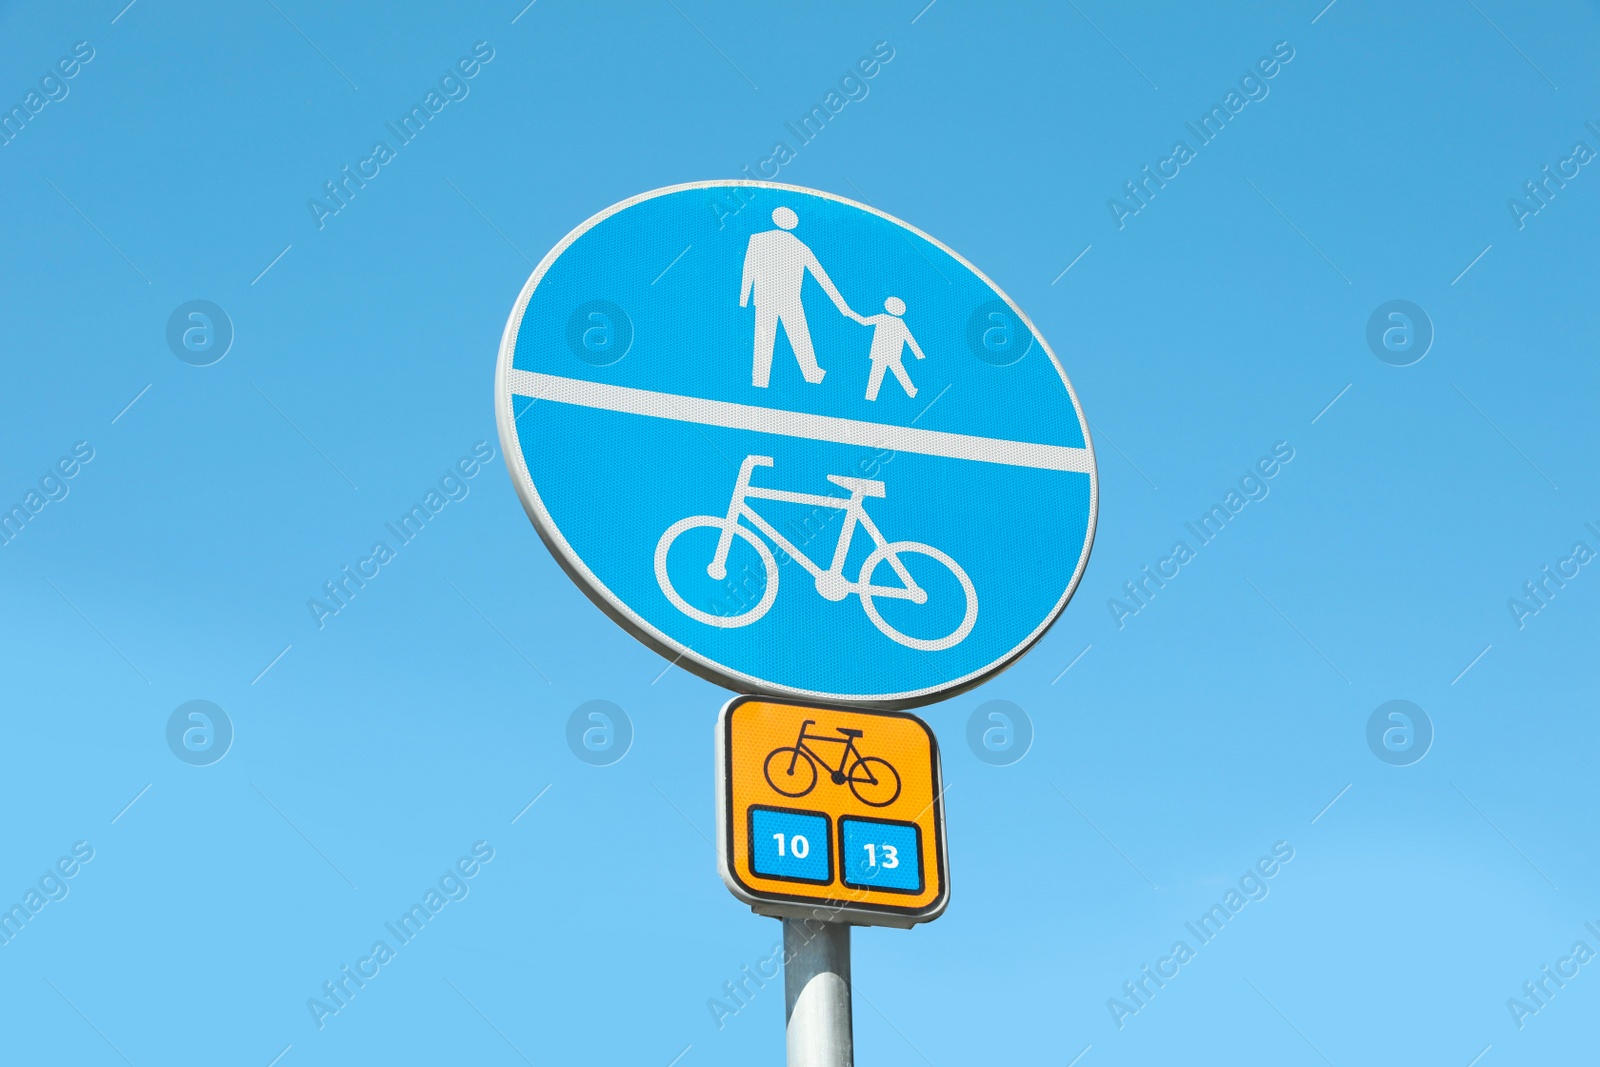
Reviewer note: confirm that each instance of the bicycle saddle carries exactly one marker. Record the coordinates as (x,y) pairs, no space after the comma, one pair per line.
(848,732)
(864,486)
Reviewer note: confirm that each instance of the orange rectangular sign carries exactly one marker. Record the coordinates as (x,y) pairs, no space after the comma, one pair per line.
(830,812)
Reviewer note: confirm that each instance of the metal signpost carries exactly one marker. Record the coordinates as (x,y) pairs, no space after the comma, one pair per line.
(828,816)
(809,453)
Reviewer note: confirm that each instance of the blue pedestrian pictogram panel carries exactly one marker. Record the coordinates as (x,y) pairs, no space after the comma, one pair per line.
(798,447)
(790,844)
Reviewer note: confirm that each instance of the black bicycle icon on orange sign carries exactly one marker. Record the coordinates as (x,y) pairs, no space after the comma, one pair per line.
(792,770)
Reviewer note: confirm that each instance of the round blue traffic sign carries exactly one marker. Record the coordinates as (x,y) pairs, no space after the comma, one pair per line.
(795,444)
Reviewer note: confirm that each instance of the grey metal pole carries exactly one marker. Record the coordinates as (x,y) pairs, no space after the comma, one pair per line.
(816,990)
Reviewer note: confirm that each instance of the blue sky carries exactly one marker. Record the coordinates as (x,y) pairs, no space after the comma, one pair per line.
(1173,747)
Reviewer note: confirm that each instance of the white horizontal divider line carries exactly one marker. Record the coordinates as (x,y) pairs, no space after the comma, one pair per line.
(632,401)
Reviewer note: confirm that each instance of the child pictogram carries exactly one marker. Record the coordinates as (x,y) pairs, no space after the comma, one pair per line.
(890,336)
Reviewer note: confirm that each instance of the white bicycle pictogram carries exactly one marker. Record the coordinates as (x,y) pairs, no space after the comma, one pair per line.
(831,583)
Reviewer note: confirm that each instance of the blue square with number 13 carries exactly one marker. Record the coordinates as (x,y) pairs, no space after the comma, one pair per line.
(790,844)
(876,854)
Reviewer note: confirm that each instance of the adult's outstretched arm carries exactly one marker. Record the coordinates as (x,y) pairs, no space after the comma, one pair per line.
(828,287)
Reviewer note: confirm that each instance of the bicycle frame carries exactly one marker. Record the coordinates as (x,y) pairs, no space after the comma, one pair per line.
(832,580)
(849,744)
(839,772)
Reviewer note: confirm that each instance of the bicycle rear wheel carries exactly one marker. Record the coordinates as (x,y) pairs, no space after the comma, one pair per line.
(874,781)
(894,550)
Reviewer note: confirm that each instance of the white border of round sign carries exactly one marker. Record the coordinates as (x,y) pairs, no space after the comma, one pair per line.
(714,672)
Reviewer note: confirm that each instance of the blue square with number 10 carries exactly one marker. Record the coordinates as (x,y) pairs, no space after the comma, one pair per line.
(877,854)
(790,844)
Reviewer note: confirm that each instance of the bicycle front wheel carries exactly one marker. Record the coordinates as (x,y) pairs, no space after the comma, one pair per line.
(895,550)
(769,592)
(790,771)
(874,781)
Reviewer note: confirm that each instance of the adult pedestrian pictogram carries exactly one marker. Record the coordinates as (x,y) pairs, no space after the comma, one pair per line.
(792,769)
(775,266)
(773,447)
